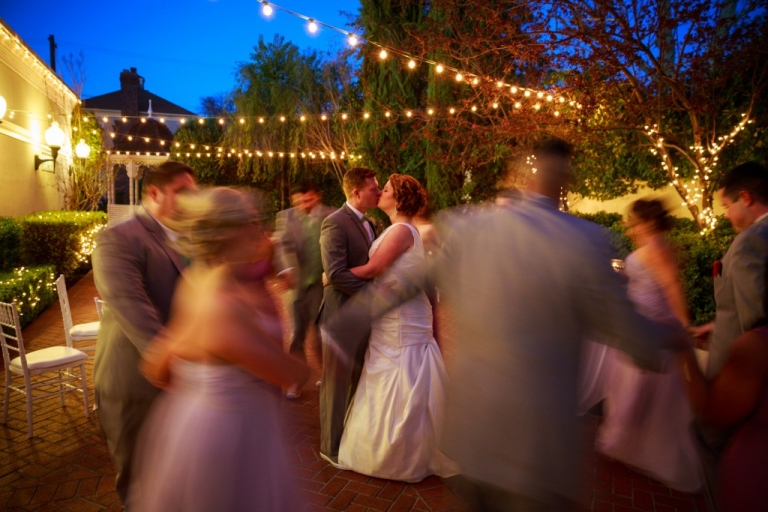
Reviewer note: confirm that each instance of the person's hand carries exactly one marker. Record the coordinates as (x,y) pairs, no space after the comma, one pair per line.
(285,281)
(155,362)
(701,332)
(326,281)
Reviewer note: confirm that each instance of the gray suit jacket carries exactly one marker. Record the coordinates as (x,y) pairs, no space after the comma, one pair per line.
(740,292)
(135,273)
(526,285)
(344,244)
(291,248)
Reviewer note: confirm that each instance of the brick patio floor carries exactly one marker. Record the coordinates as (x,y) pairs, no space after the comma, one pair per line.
(66,465)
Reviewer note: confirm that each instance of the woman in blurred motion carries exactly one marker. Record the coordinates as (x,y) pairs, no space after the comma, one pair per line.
(213,440)
(737,397)
(647,416)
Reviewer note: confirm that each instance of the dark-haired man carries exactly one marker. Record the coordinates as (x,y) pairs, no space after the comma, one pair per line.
(740,285)
(135,270)
(345,239)
(299,262)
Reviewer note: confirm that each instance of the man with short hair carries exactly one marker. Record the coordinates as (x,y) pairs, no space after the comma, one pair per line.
(300,263)
(345,239)
(740,288)
(525,285)
(135,270)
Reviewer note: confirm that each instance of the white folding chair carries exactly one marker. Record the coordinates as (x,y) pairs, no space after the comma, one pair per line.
(75,333)
(31,364)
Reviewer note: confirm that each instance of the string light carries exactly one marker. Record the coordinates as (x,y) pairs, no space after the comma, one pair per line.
(439,68)
(412,64)
(352,40)
(383,54)
(312,27)
(267,9)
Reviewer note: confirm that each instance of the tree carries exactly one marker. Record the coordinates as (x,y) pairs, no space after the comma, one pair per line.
(679,79)
(84,183)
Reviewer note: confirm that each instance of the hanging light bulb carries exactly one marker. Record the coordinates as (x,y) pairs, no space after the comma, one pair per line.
(267,9)
(352,40)
(439,68)
(459,77)
(312,27)
(383,54)
(411,63)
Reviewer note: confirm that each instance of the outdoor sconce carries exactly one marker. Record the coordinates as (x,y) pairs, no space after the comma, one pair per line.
(82,150)
(54,137)
(3,107)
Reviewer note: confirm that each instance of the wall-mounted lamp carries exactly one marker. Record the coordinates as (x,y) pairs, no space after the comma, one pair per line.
(54,137)
(3,107)
(82,150)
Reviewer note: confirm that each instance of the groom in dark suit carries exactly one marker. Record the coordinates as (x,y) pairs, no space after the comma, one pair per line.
(346,236)
(135,270)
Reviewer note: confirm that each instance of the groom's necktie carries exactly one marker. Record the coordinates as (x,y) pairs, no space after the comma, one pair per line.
(368,228)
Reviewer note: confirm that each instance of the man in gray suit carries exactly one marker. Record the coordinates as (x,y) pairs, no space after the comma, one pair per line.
(740,287)
(300,263)
(345,239)
(135,270)
(525,285)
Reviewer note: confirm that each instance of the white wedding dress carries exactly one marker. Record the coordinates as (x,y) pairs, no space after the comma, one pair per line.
(392,427)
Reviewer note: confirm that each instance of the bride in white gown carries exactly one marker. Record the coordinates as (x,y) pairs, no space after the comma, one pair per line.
(392,427)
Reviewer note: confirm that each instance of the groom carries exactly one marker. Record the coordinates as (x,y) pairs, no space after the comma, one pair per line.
(345,239)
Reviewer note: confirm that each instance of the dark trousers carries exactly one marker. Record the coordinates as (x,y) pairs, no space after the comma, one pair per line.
(342,365)
(482,497)
(305,309)
(121,422)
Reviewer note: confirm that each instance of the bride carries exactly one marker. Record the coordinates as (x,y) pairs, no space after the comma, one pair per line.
(392,426)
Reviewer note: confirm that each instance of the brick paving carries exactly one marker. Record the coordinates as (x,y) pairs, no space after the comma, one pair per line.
(66,466)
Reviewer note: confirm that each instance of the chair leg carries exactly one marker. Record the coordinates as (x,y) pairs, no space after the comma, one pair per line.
(85,390)
(7,395)
(61,389)
(28,396)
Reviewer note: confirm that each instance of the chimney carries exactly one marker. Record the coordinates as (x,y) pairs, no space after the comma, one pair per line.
(52,48)
(130,85)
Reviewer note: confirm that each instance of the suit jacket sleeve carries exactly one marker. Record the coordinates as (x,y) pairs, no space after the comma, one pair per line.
(748,271)
(118,273)
(333,248)
(286,247)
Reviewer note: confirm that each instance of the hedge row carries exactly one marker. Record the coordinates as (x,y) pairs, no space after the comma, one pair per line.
(62,239)
(696,253)
(33,289)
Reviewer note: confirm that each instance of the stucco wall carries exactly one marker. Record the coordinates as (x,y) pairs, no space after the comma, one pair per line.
(31,95)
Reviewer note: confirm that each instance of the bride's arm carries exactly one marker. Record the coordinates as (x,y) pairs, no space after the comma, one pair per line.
(663,265)
(395,244)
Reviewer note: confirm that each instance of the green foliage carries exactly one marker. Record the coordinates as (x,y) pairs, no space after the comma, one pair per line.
(33,289)
(65,239)
(696,253)
(209,170)
(10,243)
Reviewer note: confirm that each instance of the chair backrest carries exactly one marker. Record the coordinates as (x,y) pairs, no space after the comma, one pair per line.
(66,312)
(117,213)
(10,329)
(99,306)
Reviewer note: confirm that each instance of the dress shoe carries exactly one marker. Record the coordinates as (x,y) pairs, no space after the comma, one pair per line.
(293,392)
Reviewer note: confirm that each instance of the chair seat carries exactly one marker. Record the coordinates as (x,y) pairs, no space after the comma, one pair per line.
(50,357)
(80,332)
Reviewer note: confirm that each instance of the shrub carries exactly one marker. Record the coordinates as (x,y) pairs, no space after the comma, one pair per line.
(10,244)
(33,289)
(64,239)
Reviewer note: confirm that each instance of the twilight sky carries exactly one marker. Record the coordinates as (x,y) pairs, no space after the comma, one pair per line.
(184,49)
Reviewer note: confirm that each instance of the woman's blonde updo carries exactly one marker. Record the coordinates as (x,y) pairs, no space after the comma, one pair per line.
(208,220)
(409,195)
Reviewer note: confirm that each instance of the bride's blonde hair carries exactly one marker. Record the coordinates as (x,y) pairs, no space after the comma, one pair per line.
(208,219)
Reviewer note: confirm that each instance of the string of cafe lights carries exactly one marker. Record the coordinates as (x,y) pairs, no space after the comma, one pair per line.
(459,75)
(707,158)
(541,100)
